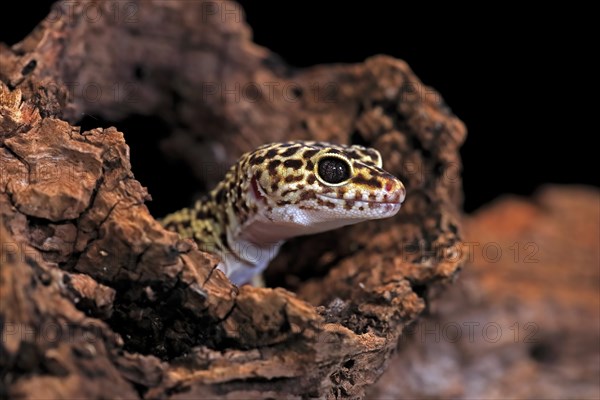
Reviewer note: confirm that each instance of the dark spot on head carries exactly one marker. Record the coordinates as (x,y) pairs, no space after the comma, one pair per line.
(354,155)
(349,204)
(271,153)
(294,178)
(295,164)
(290,152)
(256,160)
(311,179)
(373,182)
(308,154)
(300,187)
(307,195)
(274,186)
(273,167)
(310,165)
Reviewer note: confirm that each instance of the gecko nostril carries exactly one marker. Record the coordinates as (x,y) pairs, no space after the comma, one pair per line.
(389,186)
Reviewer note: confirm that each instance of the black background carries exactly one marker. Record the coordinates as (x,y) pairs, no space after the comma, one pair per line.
(512,75)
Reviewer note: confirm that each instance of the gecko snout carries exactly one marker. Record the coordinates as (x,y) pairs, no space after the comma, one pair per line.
(396,192)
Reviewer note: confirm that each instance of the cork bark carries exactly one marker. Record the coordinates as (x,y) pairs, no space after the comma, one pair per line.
(98,300)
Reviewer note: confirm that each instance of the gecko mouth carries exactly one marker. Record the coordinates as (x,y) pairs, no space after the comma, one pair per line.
(338,200)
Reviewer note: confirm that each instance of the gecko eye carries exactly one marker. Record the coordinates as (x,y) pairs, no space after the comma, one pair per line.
(333,170)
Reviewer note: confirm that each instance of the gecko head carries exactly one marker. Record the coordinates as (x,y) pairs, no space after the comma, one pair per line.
(320,186)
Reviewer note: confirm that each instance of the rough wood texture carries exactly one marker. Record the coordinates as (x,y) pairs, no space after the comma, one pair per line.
(140,312)
(517,324)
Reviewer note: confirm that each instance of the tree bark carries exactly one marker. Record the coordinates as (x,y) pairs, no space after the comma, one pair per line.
(98,300)
(523,319)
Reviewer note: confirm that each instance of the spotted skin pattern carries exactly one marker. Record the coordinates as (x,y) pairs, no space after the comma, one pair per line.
(277,192)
